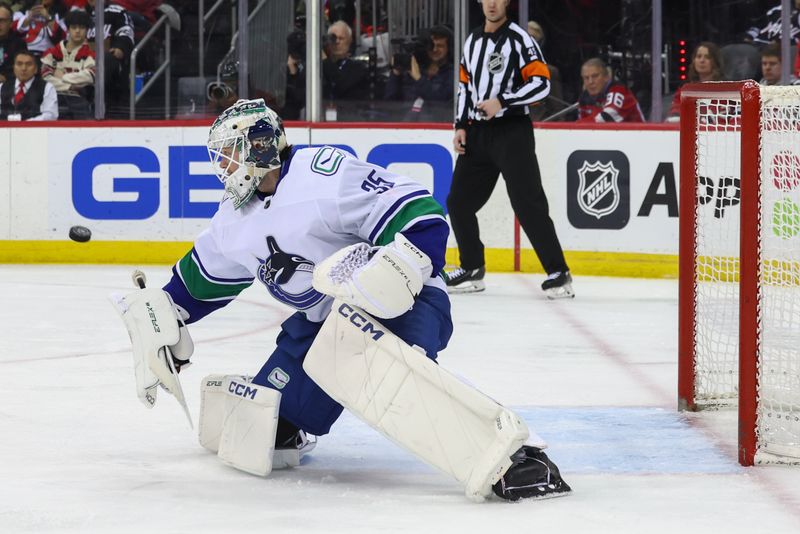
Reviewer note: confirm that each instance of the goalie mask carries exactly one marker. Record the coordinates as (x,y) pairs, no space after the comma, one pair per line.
(244,144)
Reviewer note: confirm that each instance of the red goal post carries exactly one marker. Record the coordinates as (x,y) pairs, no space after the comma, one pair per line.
(739,282)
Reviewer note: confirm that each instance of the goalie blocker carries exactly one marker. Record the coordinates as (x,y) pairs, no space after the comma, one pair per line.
(160,340)
(427,411)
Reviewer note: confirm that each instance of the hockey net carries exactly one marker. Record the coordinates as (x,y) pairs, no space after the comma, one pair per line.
(740,262)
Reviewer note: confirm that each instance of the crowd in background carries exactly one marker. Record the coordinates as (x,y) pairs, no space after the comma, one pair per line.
(47,49)
(47,67)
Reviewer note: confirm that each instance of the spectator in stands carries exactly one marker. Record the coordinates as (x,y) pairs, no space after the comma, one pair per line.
(10,43)
(706,66)
(768,29)
(147,9)
(118,37)
(344,10)
(26,96)
(555,100)
(771,66)
(295,103)
(603,99)
(342,77)
(430,81)
(70,67)
(41,25)
(224,91)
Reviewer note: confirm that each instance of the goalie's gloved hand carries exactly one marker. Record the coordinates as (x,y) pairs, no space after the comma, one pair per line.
(161,341)
(383,281)
(183,349)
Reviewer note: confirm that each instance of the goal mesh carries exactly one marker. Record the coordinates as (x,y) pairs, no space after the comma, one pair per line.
(718,146)
(778,413)
(717,248)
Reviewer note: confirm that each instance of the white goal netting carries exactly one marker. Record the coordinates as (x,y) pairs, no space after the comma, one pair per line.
(718,157)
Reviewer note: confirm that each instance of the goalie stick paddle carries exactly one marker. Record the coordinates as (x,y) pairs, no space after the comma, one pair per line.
(140,281)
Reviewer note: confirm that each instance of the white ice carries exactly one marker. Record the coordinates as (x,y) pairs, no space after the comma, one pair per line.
(595,376)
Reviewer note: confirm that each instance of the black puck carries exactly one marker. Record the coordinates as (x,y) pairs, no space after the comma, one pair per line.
(81,234)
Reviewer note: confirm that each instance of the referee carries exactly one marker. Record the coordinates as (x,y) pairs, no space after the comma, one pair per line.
(501,73)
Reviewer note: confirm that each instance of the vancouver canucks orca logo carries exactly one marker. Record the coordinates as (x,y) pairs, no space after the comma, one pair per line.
(288,277)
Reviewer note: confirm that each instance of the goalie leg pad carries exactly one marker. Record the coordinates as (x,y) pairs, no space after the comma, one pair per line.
(249,422)
(212,408)
(214,395)
(414,402)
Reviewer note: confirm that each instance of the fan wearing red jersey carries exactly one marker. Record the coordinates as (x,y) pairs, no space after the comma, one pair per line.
(603,99)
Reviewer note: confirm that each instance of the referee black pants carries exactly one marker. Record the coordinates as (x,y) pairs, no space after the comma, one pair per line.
(503,145)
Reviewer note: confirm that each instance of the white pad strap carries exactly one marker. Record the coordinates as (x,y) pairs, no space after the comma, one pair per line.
(238,421)
(414,402)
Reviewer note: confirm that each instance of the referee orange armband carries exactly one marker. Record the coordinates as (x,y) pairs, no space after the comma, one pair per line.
(535,68)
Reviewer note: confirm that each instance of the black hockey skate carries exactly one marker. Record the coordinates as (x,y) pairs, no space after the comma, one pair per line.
(465,280)
(558,286)
(531,476)
(291,444)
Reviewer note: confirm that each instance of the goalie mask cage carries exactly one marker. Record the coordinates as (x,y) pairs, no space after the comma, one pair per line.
(739,287)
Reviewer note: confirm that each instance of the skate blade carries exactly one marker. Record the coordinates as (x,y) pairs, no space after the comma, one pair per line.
(288,458)
(473,286)
(563,292)
(551,495)
(564,492)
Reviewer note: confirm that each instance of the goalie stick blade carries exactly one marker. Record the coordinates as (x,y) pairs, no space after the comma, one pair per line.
(169,380)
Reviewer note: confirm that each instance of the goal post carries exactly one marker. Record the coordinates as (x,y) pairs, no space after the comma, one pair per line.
(739,250)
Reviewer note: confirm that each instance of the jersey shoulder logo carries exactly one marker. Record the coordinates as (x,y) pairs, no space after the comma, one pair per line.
(288,277)
(496,62)
(326,161)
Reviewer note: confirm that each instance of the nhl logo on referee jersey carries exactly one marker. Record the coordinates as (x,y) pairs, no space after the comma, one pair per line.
(598,189)
(496,63)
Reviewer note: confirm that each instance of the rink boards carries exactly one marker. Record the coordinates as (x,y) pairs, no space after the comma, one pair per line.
(146,189)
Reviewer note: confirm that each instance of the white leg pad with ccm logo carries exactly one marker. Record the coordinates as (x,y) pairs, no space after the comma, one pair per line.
(238,421)
(414,402)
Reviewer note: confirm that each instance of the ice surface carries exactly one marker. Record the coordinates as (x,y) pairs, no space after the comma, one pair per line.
(595,376)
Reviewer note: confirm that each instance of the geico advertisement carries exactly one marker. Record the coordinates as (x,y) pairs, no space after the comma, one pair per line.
(158,183)
(607,190)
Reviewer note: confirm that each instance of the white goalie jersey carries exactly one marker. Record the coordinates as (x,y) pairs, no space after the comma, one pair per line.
(325,200)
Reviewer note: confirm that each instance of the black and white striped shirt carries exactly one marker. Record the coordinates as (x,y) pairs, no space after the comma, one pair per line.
(506,64)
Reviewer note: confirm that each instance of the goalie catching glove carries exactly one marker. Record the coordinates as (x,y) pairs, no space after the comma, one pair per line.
(161,342)
(383,281)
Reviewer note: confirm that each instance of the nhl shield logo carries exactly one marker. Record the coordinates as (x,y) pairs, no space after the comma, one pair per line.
(496,62)
(598,190)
